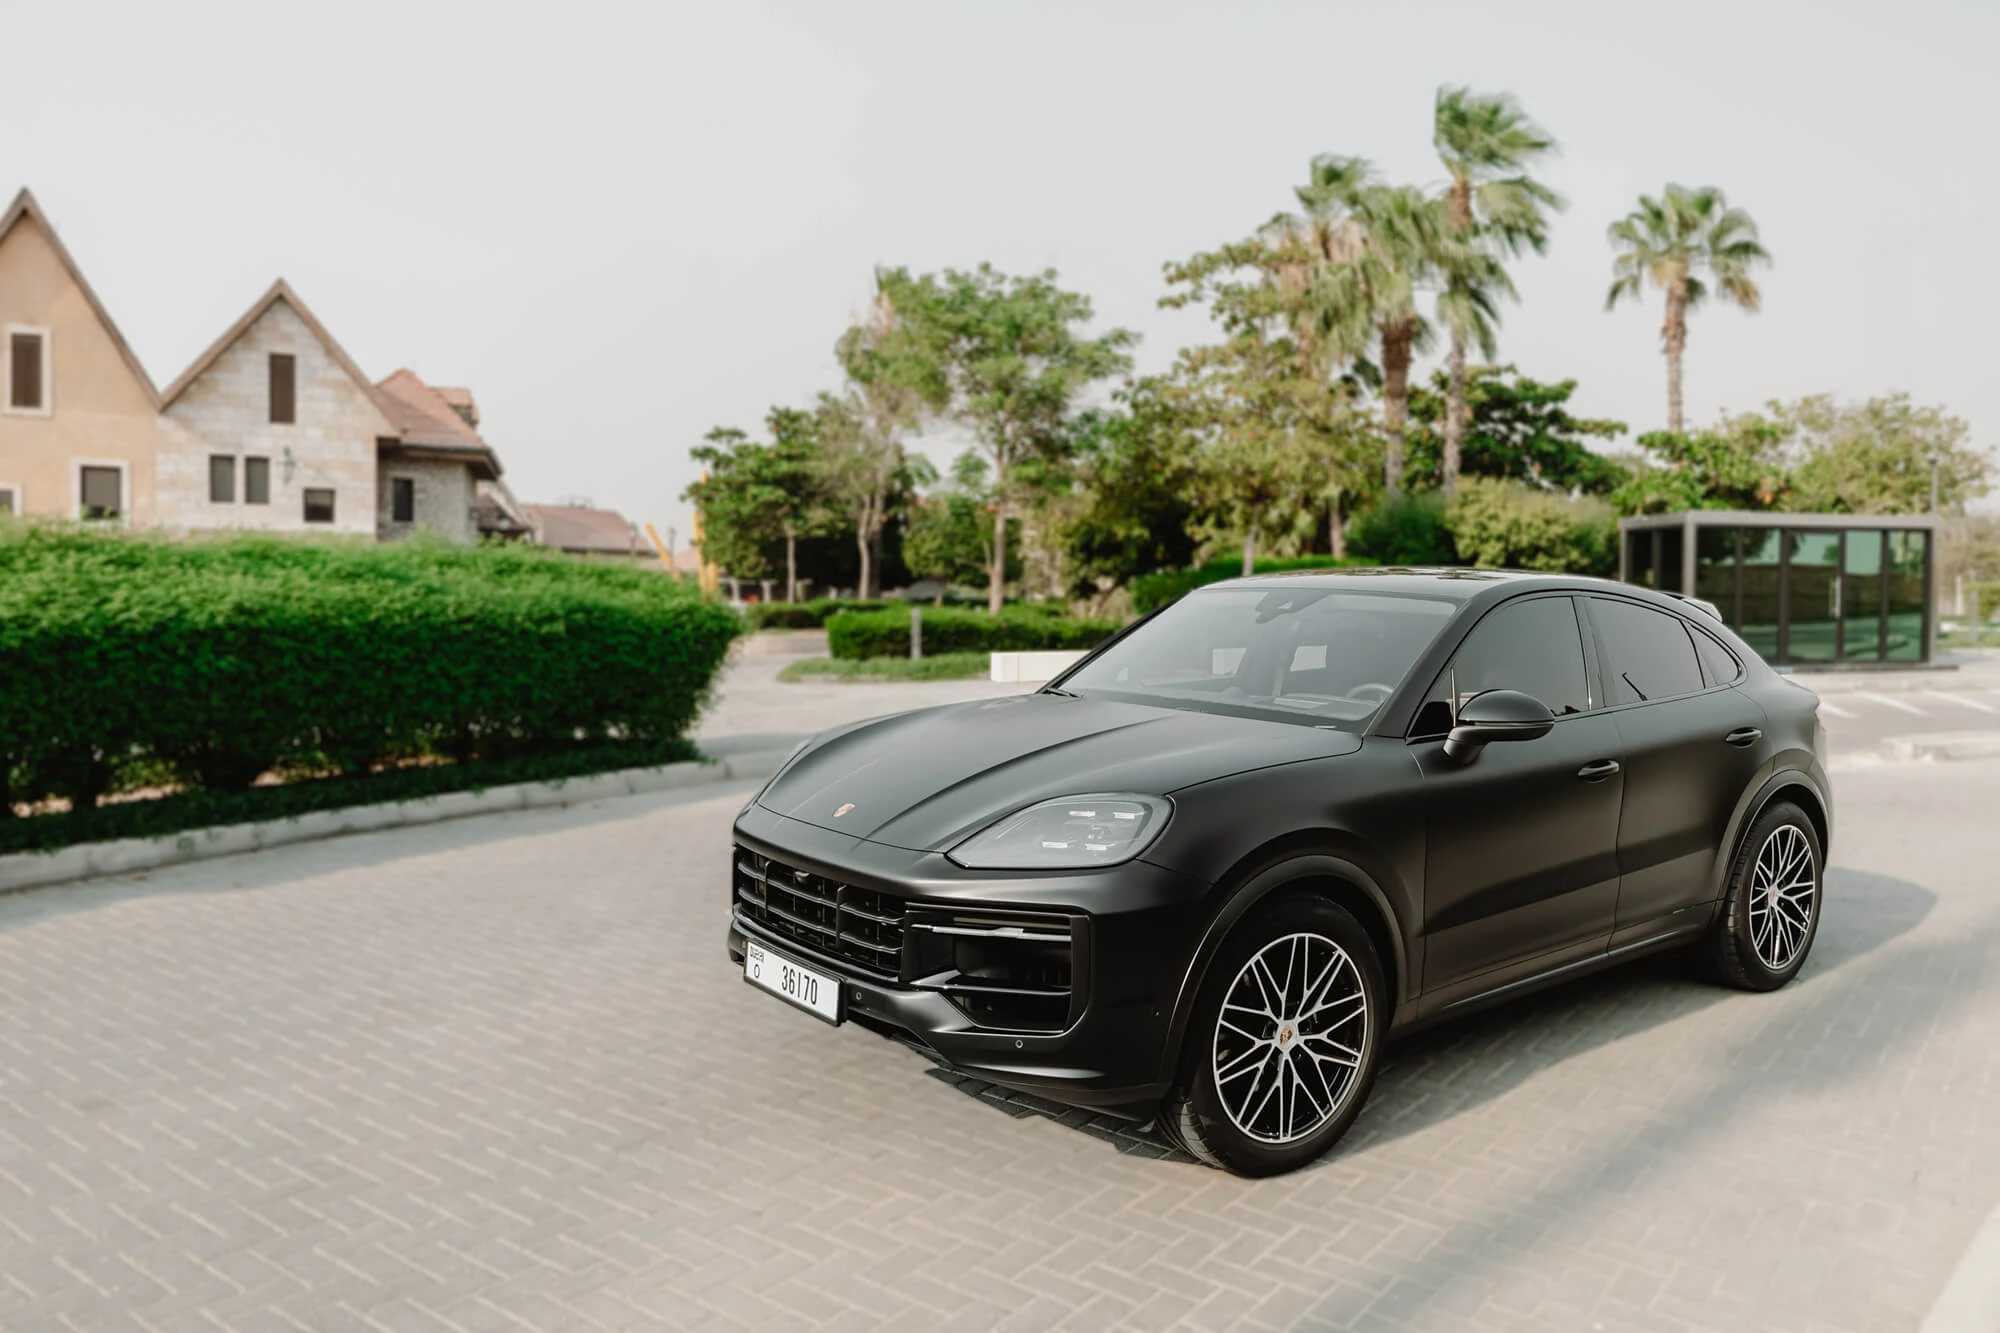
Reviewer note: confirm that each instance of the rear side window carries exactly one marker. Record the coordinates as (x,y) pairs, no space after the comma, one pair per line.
(1718,665)
(1533,646)
(1650,654)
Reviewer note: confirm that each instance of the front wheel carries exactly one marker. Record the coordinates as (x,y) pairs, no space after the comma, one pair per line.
(1283,1044)
(1771,913)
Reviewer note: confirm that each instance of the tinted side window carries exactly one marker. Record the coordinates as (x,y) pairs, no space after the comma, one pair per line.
(1718,665)
(1533,646)
(1651,655)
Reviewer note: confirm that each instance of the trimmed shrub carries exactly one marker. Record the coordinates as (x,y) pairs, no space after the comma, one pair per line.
(208,663)
(1151,591)
(803,615)
(1410,530)
(855,635)
(1506,525)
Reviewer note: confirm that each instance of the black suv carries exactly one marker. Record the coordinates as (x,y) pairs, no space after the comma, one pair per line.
(1202,876)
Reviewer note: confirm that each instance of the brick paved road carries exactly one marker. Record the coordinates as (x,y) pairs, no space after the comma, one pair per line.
(497,1074)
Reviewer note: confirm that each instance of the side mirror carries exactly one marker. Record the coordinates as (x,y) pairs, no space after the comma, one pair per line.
(1496,715)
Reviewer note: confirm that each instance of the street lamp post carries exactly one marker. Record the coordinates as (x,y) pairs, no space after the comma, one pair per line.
(1934,460)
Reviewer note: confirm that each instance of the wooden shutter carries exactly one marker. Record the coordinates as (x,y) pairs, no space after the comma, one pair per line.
(25,371)
(284,388)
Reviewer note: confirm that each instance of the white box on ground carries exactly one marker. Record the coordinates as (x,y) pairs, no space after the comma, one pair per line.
(1032,668)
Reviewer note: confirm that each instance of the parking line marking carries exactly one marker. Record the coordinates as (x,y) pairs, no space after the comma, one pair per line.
(1962,701)
(1826,706)
(1893,703)
(1970,1301)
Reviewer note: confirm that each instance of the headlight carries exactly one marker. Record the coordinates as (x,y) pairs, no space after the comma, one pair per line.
(1071,833)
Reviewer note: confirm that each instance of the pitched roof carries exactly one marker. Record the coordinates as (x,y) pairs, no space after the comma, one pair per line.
(24,206)
(427,423)
(278,291)
(575,528)
(459,401)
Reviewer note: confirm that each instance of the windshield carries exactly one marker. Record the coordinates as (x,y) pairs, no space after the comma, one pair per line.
(1311,655)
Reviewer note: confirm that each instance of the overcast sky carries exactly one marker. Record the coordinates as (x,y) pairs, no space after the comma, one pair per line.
(622,224)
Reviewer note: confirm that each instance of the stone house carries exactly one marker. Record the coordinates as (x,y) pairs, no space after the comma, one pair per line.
(273,428)
(79,416)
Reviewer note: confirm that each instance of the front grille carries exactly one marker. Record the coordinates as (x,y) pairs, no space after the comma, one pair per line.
(857,926)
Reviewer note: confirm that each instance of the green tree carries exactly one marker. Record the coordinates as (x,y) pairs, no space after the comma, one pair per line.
(1672,241)
(1495,210)
(866,463)
(950,532)
(1004,357)
(754,496)
(1517,429)
(1135,465)
(1740,464)
(1875,457)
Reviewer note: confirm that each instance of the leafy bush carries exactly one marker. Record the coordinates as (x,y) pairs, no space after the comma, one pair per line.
(1151,591)
(861,634)
(945,666)
(1504,524)
(1408,530)
(208,663)
(803,615)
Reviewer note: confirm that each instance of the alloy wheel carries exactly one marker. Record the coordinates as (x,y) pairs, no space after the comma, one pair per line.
(1289,1040)
(1784,892)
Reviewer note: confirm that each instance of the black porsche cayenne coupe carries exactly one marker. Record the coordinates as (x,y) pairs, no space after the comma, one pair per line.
(1203,875)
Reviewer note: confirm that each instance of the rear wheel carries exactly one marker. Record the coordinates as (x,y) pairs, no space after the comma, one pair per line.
(1283,1044)
(1771,912)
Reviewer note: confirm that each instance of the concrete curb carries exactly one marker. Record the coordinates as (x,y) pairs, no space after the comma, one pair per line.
(125,856)
(1943,745)
(1895,682)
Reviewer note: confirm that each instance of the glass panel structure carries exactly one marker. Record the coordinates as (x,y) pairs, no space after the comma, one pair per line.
(1673,549)
(1812,595)
(1715,570)
(1759,618)
(1908,557)
(1639,557)
(1861,596)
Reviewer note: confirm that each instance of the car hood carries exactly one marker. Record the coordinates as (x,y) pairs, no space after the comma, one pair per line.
(927,779)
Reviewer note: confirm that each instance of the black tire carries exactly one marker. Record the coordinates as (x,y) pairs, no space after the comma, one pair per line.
(1326,941)
(1758,942)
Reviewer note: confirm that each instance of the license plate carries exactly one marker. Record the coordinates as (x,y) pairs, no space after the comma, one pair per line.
(813,991)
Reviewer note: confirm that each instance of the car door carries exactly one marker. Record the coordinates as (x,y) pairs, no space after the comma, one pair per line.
(1521,844)
(1693,742)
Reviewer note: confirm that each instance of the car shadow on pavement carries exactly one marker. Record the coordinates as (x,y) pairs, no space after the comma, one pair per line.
(1443,1071)
(1846,1034)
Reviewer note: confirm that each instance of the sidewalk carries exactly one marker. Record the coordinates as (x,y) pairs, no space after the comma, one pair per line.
(1955,669)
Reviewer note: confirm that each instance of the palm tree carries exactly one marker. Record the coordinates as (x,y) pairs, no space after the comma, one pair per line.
(1672,239)
(1368,247)
(1495,210)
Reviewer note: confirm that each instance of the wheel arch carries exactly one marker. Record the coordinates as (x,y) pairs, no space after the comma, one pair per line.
(1792,784)
(1337,878)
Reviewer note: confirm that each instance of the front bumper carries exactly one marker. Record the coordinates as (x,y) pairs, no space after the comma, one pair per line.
(1134,925)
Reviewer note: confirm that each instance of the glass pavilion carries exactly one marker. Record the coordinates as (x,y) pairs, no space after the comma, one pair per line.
(1808,590)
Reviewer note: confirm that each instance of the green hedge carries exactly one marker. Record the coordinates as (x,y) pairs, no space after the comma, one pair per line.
(1509,525)
(136,662)
(862,634)
(1152,591)
(803,615)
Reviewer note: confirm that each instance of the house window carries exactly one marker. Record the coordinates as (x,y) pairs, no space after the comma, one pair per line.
(256,481)
(100,493)
(284,388)
(10,500)
(222,479)
(319,504)
(27,370)
(403,499)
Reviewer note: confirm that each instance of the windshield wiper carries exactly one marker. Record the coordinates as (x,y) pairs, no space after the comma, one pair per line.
(1626,676)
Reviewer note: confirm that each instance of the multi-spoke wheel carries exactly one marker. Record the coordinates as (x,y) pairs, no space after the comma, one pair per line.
(1772,909)
(1282,1046)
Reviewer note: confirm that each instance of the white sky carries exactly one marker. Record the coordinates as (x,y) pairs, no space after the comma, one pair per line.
(621,224)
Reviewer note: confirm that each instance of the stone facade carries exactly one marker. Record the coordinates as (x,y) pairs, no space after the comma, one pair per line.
(445,499)
(225,410)
(99,406)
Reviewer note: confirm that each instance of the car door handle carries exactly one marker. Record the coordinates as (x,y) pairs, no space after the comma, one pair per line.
(1598,771)
(1743,736)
